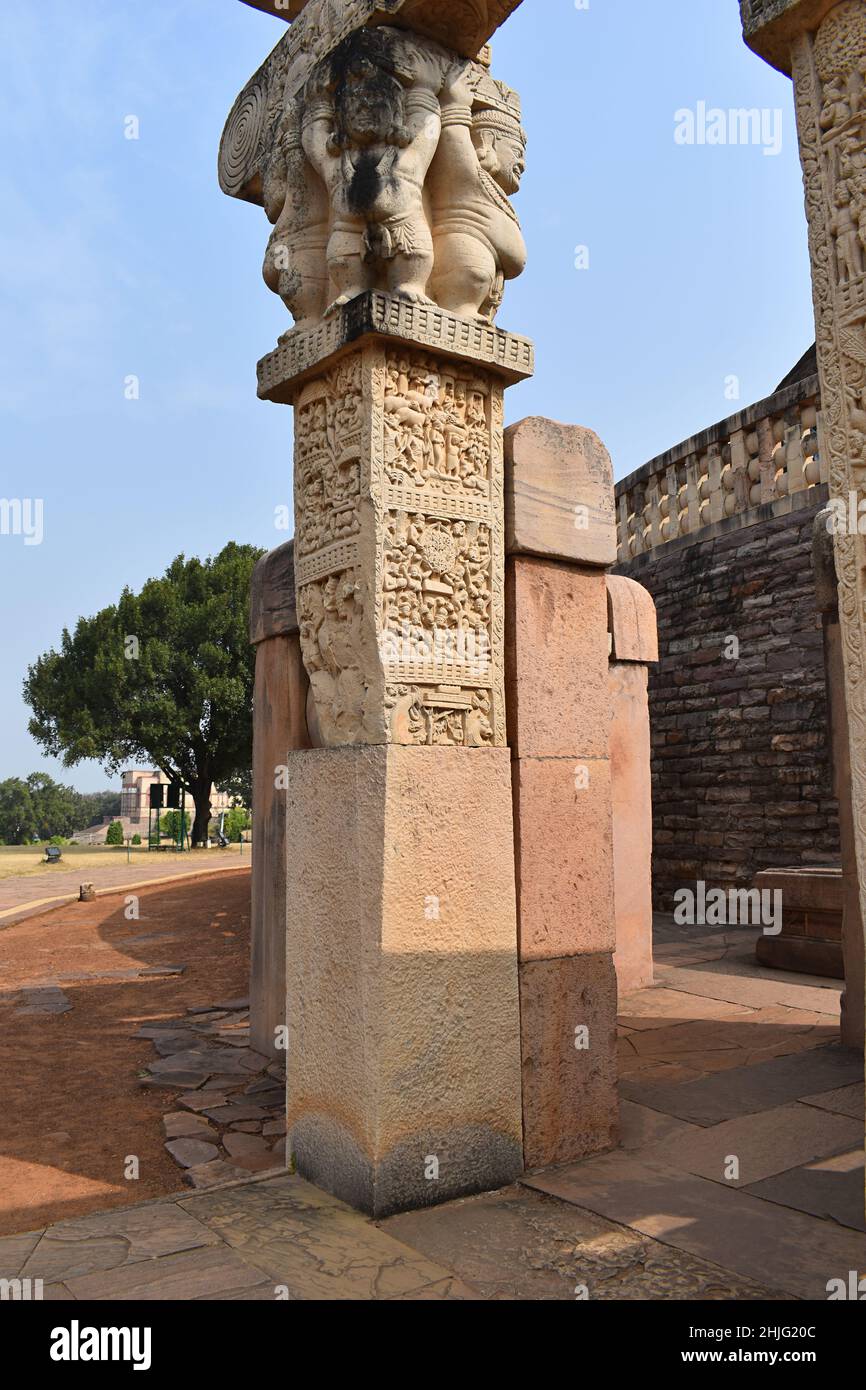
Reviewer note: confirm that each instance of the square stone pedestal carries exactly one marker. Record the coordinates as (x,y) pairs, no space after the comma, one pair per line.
(404,1074)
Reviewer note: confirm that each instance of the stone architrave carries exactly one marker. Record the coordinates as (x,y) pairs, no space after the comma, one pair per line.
(822,45)
(401,964)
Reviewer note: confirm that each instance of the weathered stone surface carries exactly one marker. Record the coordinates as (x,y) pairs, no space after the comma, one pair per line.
(748,1090)
(556,660)
(831,1188)
(521,1245)
(183,1125)
(631,793)
(564,857)
(191,1152)
(300,1237)
(273,608)
(569,1078)
(412,1047)
(559,500)
(205,1274)
(632,621)
(770,26)
(764,1144)
(280,704)
(778,1248)
(112,1239)
(845,1100)
(213,1173)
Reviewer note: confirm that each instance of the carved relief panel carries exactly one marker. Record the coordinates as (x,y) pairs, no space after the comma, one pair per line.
(399,551)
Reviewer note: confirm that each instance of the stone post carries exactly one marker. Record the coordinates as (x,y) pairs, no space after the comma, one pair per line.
(822,45)
(561,535)
(385,155)
(854,997)
(634,646)
(280,726)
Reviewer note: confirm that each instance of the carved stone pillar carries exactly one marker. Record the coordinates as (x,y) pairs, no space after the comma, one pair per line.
(385,154)
(822,45)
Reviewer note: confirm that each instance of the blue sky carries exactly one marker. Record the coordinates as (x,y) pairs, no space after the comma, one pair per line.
(121,257)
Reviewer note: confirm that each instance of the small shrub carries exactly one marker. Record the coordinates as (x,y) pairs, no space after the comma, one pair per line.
(114,835)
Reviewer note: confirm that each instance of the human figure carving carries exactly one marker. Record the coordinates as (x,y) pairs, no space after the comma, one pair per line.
(371,125)
(849,254)
(295,201)
(477,238)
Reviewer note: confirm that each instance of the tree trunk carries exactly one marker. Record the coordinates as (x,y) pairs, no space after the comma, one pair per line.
(201,796)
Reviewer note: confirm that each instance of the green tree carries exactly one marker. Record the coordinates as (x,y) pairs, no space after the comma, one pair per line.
(136,839)
(164,677)
(18,823)
(170,824)
(114,834)
(236,822)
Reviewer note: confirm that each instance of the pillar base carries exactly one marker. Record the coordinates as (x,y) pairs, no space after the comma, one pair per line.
(404,1085)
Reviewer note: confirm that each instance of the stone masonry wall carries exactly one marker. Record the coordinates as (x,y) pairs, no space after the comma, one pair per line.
(740,752)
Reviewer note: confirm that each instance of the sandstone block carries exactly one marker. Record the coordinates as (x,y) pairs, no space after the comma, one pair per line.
(556,659)
(559,499)
(632,617)
(404,1076)
(564,857)
(569,1077)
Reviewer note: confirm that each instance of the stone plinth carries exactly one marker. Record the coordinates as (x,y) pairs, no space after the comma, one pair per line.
(633,648)
(404,1056)
(280,725)
(559,508)
(813,903)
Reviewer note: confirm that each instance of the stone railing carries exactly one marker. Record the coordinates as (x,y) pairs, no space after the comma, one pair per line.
(759,456)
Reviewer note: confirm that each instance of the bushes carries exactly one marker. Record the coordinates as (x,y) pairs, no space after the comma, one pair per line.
(114,834)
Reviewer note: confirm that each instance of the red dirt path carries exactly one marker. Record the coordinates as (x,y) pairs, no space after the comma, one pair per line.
(72,1107)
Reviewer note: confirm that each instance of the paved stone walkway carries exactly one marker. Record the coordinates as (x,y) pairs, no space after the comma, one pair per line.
(721,1061)
(22,897)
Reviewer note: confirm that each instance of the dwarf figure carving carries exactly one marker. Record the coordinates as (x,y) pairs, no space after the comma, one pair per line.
(371,125)
(296,202)
(477,239)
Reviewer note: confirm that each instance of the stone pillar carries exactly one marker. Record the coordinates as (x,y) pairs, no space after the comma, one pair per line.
(279,726)
(822,45)
(854,997)
(634,646)
(385,155)
(560,537)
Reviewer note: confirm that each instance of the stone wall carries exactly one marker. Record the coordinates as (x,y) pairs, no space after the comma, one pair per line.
(740,758)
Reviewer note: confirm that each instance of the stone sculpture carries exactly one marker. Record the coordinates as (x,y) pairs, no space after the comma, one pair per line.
(384,160)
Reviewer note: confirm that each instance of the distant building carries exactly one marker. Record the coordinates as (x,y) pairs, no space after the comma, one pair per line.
(134,803)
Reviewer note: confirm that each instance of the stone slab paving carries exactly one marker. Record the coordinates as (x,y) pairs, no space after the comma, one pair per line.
(757,1239)
(521,1245)
(764,1144)
(847,1100)
(749,1090)
(656,1219)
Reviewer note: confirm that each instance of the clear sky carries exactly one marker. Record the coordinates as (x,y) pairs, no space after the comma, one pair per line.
(121,257)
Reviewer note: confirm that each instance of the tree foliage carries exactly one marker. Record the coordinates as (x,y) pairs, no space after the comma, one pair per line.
(114,833)
(38,808)
(164,676)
